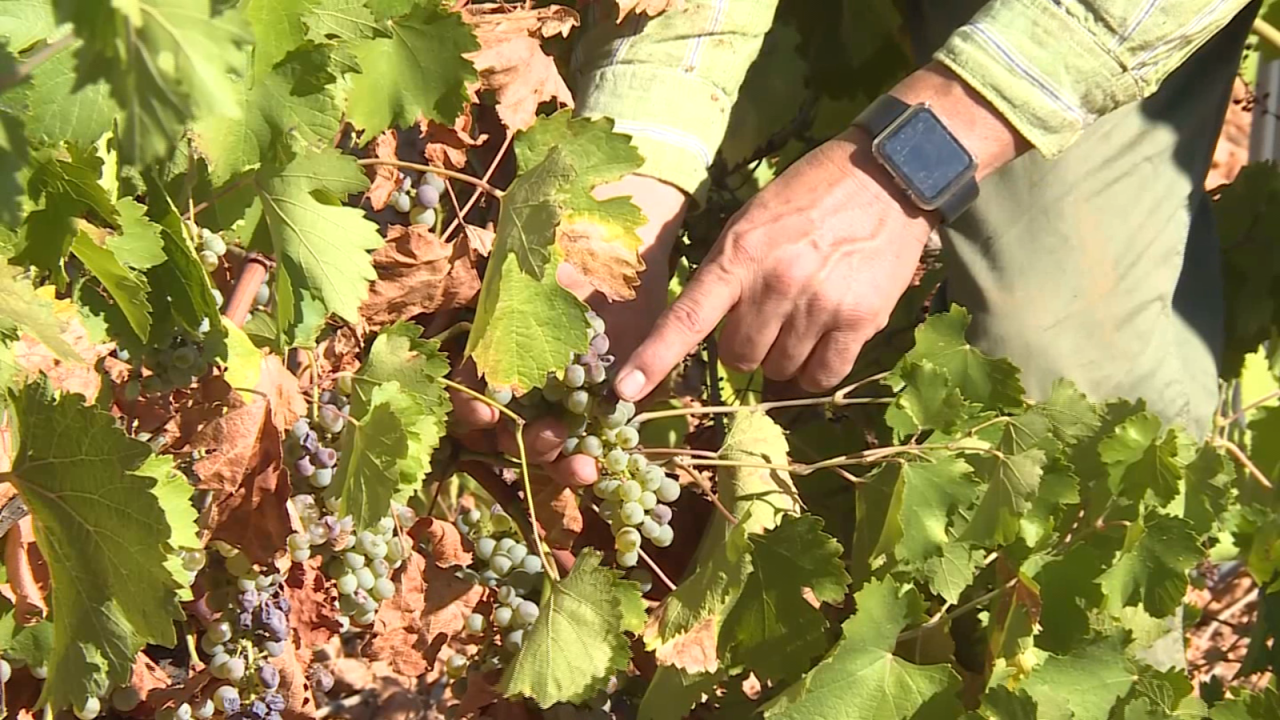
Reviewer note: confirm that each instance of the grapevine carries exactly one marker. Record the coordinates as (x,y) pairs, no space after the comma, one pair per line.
(263,258)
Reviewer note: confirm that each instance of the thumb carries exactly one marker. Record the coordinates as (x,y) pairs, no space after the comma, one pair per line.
(711,293)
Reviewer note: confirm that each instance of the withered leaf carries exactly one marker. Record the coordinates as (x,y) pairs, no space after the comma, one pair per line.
(418,273)
(652,8)
(313,614)
(446,145)
(558,511)
(511,62)
(384,179)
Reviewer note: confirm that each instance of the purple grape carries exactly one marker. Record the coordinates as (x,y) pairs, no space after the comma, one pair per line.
(244,621)
(258,710)
(276,702)
(661,514)
(304,467)
(247,600)
(300,428)
(310,442)
(331,525)
(231,704)
(284,605)
(600,344)
(607,360)
(326,457)
(428,197)
(269,676)
(275,623)
(275,716)
(328,397)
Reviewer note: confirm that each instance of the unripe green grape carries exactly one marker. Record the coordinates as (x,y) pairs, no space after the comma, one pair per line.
(377,549)
(354,560)
(386,527)
(193,560)
(669,491)
(665,536)
(263,295)
(531,564)
(607,489)
(628,559)
(403,203)
(39,672)
(513,640)
(215,244)
(218,631)
(627,409)
(527,612)
(347,584)
(517,553)
(182,712)
(422,216)
(383,588)
(125,698)
(651,478)
(364,618)
(6,671)
(475,623)
(609,435)
(434,181)
(225,697)
(500,521)
(505,544)
(474,516)
(203,709)
(395,550)
(591,446)
(502,616)
(217,663)
(649,528)
(574,376)
(636,463)
(648,500)
(631,513)
(570,446)
(643,578)
(184,357)
(508,595)
(577,401)
(89,708)
(299,556)
(485,547)
(500,564)
(456,665)
(628,437)
(630,491)
(380,567)
(613,420)
(502,396)
(234,669)
(616,460)
(365,578)
(297,541)
(627,539)
(208,261)
(554,390)
(239,565)
(246,583)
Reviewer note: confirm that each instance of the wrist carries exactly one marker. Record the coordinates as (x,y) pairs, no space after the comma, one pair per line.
(878,185)
(976,123)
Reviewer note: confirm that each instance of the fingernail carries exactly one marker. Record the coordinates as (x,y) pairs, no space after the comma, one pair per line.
(630,384)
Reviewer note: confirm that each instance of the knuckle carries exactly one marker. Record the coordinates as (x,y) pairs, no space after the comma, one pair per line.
(686,318)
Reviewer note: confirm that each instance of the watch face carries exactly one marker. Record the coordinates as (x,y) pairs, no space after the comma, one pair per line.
(924,156)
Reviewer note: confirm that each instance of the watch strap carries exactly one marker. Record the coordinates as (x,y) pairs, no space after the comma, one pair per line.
(878,116)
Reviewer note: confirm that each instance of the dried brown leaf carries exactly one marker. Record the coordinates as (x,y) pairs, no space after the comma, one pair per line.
(294,687)
(418,273)
(280,388)
(398,624)
(443,541)
(511,62)
(313,614)
(147,677)
(558,511)
(693,652)
(28,573)
(446,145)
(250,508)
(384,179)
(611,265)
(83,378)
(652,8)
(479,241)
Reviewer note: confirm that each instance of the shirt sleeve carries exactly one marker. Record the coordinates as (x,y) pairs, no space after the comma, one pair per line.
(1052,67)
(669,81)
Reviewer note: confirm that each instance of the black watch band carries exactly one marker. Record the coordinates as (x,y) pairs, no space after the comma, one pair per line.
(882,113)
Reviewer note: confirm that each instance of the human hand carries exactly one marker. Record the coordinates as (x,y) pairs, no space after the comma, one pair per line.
(814,264)
(477,425)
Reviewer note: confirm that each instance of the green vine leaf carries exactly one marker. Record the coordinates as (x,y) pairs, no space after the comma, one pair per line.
(67,188)
(526,324)
(1012,482)
(577,644)
(138,244)
(13,160)
(25,22)
(951,572)
(128,288)
(1138,461)
(1152,566)
(271,119)
(418,71)
(56,110)
(381,455)
(772,628)
(22,309)
(181,279)
(1084,684)
(167,62)
(102,526)
(861,679)
(991,382)
(925,400)
(321,247)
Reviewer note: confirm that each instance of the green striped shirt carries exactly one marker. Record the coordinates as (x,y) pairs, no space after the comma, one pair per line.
(1051,67)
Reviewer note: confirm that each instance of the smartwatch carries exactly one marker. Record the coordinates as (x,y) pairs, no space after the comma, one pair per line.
(921,155)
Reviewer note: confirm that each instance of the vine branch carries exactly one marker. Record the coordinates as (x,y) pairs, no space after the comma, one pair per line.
(483,185)
(837,399)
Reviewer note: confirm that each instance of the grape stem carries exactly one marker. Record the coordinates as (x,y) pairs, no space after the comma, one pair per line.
(707,490)
(866,457)
(452,330)
(552,571)
(461,217)
(1244,460)
(657,571)
(940,619)
(494,191)
(837,399)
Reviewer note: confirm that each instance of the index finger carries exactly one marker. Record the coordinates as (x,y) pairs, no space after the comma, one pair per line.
(712,292)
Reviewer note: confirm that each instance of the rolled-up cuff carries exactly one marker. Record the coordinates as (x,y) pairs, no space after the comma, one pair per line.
(678,147)
(1045,70)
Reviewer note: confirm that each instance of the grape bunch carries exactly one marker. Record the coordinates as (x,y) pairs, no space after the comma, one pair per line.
(252,628)
(514,574)
(360,564)
(635,496)
(212,248)
(420,204)
(174,365)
